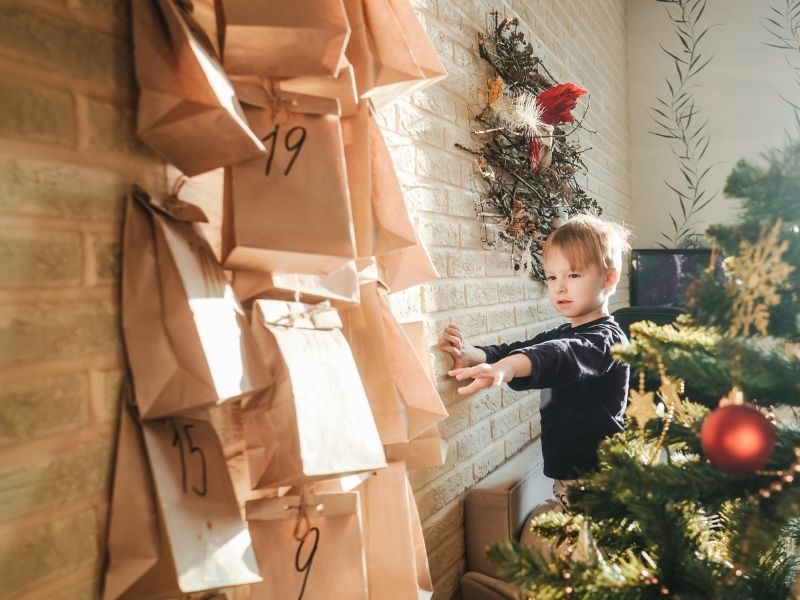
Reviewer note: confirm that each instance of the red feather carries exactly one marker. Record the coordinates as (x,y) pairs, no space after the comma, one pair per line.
(558,101)
(534,152)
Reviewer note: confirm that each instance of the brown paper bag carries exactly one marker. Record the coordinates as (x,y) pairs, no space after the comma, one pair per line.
(402,396)
(380,216)
(424,582)
(187,339)
(187,111)
(424,407)
(428,449)
(187,537)
(397,563)
(290,212)
(317,423)
(356,140)
(342,88)
(267,93)
(139,562)
(326,563)
(390,50)
(284,38)
(378,48)
(425,54)
(407,267)
(340,287)
(392,223)
(311,94)
(206,15)
(210,544)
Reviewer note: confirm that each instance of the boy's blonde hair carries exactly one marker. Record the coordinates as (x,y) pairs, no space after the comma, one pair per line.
(586,239)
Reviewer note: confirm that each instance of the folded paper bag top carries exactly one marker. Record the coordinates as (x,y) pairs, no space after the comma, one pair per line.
(298,315)
(391,53)
(268,93)
(342,87)
(284,38)
(187,109)
(340,287)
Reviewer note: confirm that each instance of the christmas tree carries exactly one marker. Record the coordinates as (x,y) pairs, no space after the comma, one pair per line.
(700,496)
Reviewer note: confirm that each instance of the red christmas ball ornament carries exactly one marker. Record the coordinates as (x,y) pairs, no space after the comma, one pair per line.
(737,438)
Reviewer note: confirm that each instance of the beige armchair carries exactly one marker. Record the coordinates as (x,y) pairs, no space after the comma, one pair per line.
(497,508)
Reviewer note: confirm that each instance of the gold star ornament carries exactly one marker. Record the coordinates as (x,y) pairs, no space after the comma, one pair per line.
(641,405)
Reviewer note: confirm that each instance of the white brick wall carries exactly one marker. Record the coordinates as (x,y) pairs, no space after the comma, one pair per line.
(581,41)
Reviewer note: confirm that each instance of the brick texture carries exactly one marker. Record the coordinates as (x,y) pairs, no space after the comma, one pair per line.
(68,154)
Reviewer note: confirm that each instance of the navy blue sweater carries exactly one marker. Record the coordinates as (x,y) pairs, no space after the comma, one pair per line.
(587,395)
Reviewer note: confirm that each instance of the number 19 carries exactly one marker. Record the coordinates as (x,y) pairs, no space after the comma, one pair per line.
(293,142)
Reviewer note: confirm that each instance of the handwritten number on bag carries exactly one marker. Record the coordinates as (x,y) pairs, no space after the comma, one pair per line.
(178,441)
(307,565)
(293,142)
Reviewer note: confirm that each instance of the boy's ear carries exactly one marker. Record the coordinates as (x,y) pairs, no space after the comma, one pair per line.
(612,277)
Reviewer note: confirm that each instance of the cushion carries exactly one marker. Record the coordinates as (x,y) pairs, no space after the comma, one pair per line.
(496,507)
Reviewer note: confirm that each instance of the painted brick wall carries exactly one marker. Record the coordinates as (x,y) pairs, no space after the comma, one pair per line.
(68,153)
(67,156)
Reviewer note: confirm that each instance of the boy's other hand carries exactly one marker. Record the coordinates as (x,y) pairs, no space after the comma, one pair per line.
(453,344)
(484,376)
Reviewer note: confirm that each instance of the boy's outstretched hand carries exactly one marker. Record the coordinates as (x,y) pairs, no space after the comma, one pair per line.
(484,376)
(488,375)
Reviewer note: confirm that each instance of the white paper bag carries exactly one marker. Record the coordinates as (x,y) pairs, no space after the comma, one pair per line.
(316,422)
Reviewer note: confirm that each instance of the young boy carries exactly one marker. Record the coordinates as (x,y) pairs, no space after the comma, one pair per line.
(584,389)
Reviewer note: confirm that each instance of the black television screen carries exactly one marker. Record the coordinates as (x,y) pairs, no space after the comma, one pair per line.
(660,277)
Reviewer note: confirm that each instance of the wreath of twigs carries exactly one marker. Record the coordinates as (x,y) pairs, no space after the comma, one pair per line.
(520,203)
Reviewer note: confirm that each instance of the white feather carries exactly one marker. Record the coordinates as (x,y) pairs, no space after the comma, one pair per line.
(521,113)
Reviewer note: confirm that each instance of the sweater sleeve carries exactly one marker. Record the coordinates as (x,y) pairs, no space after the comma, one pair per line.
(566,360)
(495,353)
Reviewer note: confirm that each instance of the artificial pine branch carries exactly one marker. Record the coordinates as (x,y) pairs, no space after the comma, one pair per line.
(704,360)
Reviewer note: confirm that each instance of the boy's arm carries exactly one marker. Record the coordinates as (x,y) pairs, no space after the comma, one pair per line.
(545,364)
(566,360)
(497,352)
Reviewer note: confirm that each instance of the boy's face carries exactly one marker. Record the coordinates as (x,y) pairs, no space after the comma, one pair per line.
(580,293)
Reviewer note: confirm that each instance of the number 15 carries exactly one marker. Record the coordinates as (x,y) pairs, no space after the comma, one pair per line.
(177,441)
